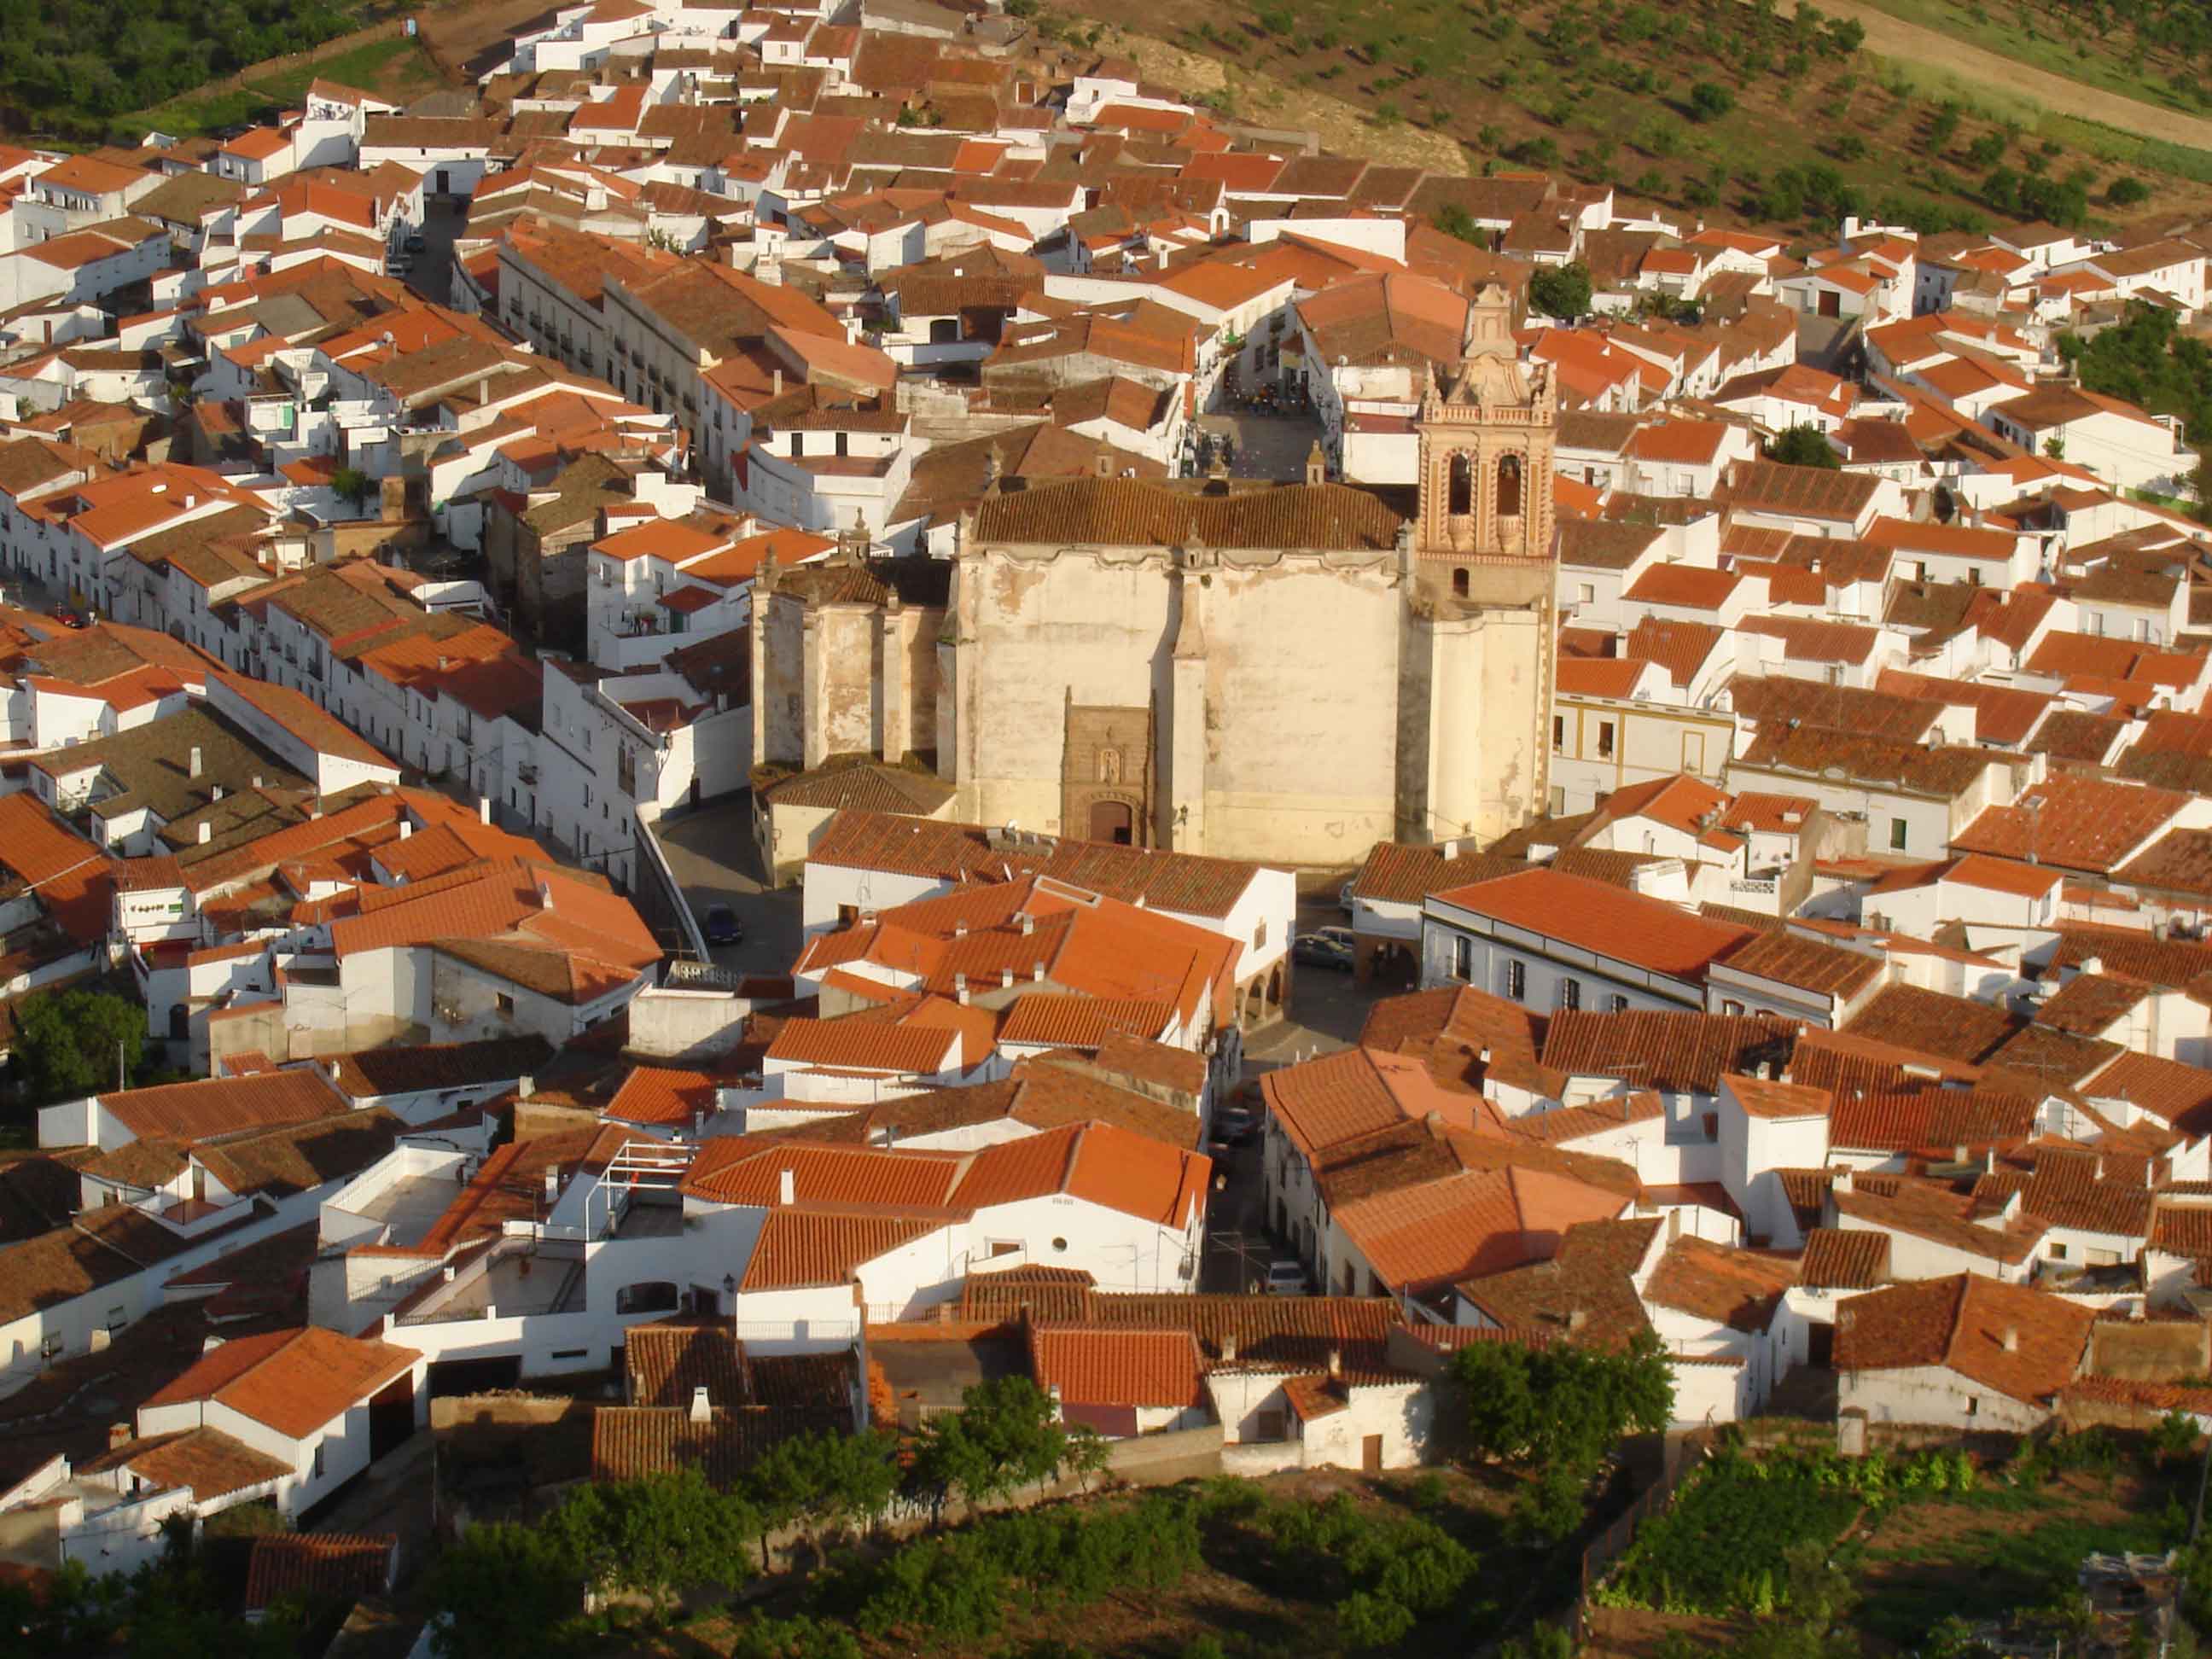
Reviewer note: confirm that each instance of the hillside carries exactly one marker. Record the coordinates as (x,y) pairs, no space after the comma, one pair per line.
(1733,110)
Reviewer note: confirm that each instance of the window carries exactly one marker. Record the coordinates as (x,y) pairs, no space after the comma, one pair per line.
(319,1460)
(1732,1007)
(1459,584)
(505,1004)
(1973,1405)
(1559,734)
(944,331)
(1516,980)
(1586,592)
(1259,937)
(1267,1425)
(2058,1253)
(1508,487)
(1693,751)
(1571,994)
(1617,1003)
(1897,834)
(1462,957)
(1060,1246)
(648,1295)
(1461,501)
(1605,739)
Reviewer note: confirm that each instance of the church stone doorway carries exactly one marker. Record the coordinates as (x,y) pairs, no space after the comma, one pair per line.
(1113,820)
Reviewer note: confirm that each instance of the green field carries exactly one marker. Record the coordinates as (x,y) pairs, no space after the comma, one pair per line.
(2062,39)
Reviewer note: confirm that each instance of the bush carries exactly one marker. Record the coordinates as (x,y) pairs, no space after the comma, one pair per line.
(2127,190)
(1709,100)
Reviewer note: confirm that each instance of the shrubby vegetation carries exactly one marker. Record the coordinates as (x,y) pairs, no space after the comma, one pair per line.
(69,67)
(171,1609)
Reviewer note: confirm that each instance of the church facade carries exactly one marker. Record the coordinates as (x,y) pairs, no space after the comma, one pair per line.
(1284,672)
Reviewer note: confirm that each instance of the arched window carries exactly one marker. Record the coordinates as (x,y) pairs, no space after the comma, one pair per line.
(1459,584)
(1461,500)
(1509,487)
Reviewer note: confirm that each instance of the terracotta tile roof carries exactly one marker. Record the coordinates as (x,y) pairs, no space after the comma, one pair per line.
(216,1106)
(2021,1342)
(748,1170)
(1938,1215)
(208,1461)
(2089,1005)
(2068,1191)
(1628,927)
(2054,1059)
(1808,964)
(1078,1022)
(630,1442)
(1765,1097)
(798,1248)
(1482,1221)
(369,1073)
(1398,873)
(1941,1120)
(1117,1365)
(1735,1287)
(658,1094)
(2182,1229)
(1125,512)
(865,1045)
(319,1566)
(1588,1277)
(2169,1090)
(1561,1125)
(297,1158)
(663,1363)
(1681,647)
(294,1381)
(2176,963)
(2073,820)
(1843,1259)
(1334,1099)
(1932,1023)
(1673,1053)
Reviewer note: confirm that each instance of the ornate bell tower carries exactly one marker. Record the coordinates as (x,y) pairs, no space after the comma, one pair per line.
(1487,440)
(1477,649)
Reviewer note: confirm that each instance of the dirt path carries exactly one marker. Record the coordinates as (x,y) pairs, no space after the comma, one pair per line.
(1893,36)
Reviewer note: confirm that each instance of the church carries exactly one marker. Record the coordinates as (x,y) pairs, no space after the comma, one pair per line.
(1287,671)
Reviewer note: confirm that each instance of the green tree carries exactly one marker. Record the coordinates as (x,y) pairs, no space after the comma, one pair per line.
(1803,445)
(71,1044)
(505,1592)
(1006,1434)
(825,1481)
(1562,1404)
(656,1536)
(352,484)
(1562,291)
(1709,100)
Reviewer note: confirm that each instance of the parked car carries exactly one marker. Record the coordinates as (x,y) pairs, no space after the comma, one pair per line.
(722,926)
(415,243)
(1339,936)
(1286,1278)
(68,616)
(1319,950)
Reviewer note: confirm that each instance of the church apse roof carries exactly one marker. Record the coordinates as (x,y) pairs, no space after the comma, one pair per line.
(1138,513)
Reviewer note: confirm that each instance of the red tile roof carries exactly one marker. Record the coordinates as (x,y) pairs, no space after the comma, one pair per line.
(798,1248)
(1627,927)
(293,1381)
(1115,1365)
(2021,1342)
(319,1566)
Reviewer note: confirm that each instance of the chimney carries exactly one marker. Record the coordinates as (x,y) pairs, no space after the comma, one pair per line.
(1006,979)
(484,809)
(701,1410)
(1228,1347)
(552,1185)
(1336,1362)
(1842,1181)
(544,897)
(118,1434)
(1450,850)
(1036,972)
(207,832)
(1316,464)
(406,828)
(787,1188)
(483,388)
(524,1087)
(196,759)
(960,989)
(256,780)
(1576,1318)
(778,392)
(2011,1338)
(1028,924)
(959,929)
(1102,463)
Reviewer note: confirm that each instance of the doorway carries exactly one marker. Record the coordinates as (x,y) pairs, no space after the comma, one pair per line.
(1112,821)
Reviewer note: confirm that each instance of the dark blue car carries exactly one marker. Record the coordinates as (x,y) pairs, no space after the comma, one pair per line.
(722,926)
